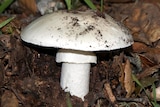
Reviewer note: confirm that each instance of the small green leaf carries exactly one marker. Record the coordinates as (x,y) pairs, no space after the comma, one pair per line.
(137,81)
(101,5)
(155,104)
(69,4)
(69,104)
(4,5)
(90,4)
(6,22)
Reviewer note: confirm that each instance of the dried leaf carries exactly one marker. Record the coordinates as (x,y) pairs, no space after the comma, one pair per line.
(139,47)
(148,81)
(144,22)
(146,62)
(29,4)
(152,23)
(128,82)
(157,44)
(118,66)
(9,99)
(153,54)
(108,92)
(121,78)
(148,71)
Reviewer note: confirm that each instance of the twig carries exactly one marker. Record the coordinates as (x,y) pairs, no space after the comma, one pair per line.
(138,100)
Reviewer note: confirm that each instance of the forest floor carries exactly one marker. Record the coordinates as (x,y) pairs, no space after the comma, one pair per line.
(30,77)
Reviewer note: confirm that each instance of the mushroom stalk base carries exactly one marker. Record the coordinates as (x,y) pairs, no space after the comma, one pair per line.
(75,78)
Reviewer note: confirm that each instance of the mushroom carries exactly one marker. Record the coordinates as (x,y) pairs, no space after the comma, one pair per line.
(77,35)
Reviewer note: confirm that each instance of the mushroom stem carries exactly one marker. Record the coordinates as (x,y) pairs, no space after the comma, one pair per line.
(75,78)
(75,70)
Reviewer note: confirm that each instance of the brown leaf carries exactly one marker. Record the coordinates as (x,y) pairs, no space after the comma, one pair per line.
(157,44)
(8,99)
(29,4)
(146,62)
(121,78)
(152,24)
(128,82)
(108,92)
(148,71)
(139,47)
(153,54)
(144,23)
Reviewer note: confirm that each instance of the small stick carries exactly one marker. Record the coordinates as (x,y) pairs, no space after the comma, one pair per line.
(18,97)
(138,100)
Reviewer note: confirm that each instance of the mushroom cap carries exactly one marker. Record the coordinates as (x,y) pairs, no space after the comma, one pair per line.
(77,30)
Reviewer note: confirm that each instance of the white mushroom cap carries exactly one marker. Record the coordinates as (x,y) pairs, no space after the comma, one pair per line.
(84,31)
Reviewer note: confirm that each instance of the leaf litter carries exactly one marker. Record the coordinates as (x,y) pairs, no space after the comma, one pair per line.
(30,77)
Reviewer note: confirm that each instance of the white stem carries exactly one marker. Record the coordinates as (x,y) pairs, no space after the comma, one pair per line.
(75,70)
(75,78)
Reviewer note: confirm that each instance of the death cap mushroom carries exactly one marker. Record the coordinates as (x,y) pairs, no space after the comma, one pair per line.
(78,30)
(78,34)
